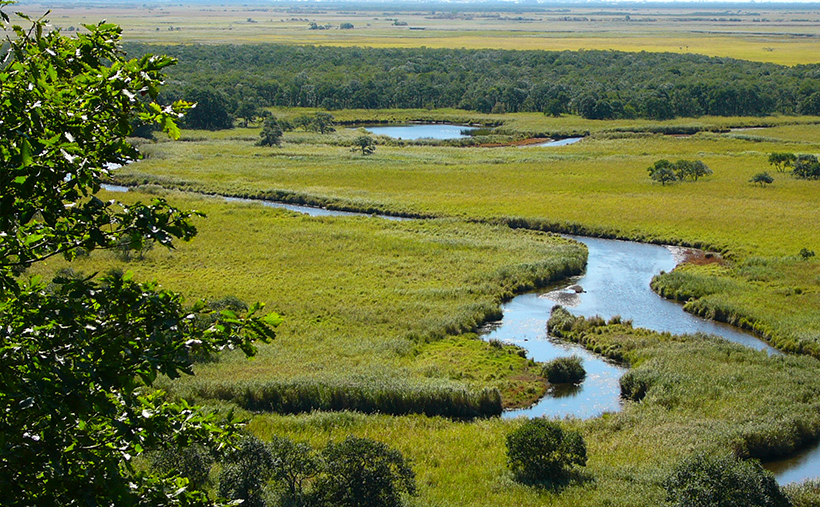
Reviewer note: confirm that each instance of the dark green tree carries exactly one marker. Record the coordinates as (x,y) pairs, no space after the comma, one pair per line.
(364,144)
(704,480)
(663,171)
(806,167)
(211,110)
(323,123)
(271,134)
(806,254)
(246,471)
(294,464)
(248,111)
(781,161)
(360,472)
(762,179)
(541,451)
(79,356)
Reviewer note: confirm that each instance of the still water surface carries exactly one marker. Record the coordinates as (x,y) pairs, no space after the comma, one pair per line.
(422,131)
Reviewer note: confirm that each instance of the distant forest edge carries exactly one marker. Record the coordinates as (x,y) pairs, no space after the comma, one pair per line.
(592,84)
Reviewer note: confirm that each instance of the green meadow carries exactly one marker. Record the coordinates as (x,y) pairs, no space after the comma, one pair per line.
(599,186)
(383,314)
(375,306)
(382,319)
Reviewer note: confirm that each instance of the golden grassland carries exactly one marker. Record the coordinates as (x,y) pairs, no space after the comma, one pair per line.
(764,34)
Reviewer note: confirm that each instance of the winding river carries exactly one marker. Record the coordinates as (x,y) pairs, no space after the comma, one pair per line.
(616,282)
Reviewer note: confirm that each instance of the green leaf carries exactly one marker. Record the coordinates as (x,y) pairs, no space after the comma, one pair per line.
(25,153)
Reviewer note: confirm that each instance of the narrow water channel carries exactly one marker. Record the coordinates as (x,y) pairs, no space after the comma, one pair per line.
(616,282)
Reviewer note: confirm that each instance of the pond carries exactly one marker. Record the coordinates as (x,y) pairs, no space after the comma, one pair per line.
(412,132)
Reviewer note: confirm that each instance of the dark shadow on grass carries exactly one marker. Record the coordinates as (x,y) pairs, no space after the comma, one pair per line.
(574,477)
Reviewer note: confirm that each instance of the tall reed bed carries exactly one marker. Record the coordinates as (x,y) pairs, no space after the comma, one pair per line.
(367,395)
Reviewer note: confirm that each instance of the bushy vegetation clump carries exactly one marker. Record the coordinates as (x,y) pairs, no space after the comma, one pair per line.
(542,451)
(664,171)
(356,472)
(704,480)
(803,166)
(564,369)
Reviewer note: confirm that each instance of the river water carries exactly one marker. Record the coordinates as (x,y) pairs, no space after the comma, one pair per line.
(616,282)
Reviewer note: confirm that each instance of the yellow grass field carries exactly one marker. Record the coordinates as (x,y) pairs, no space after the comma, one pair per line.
(765,35)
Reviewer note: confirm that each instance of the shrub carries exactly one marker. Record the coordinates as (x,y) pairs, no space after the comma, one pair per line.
(245,473)
(294,464)
(193,463)
(360,472)
(564,369)
(271,134)
(762,179)
(704,480)
(806,167)
(540,451)
(804,494)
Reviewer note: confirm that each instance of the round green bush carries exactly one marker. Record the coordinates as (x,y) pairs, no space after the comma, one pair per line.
(564,369)
(542,451)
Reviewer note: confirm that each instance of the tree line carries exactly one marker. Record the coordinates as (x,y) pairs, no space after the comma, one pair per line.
(592,84)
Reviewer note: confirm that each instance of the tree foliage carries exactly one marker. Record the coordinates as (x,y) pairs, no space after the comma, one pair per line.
(650,85)
(541,451)
(78,356)
(664,171)
(364,144)
(762,179)
(271,134)
(704,480)
(211,109)
(360,472)
(781,161)
(806,167)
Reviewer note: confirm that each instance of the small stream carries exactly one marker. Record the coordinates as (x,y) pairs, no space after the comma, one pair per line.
(616,282)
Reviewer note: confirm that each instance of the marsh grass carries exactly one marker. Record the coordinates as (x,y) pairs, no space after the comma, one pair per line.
(777,298)
(361,298)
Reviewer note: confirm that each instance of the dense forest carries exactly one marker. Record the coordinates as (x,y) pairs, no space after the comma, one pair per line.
(593,84)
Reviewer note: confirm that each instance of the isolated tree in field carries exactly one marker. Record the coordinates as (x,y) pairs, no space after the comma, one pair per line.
(663,171)
(697,169)
(762,179)
(79,356)
(781,161)
(271,134)
(704,480)
(541,451)
(364,144)
(806,254)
